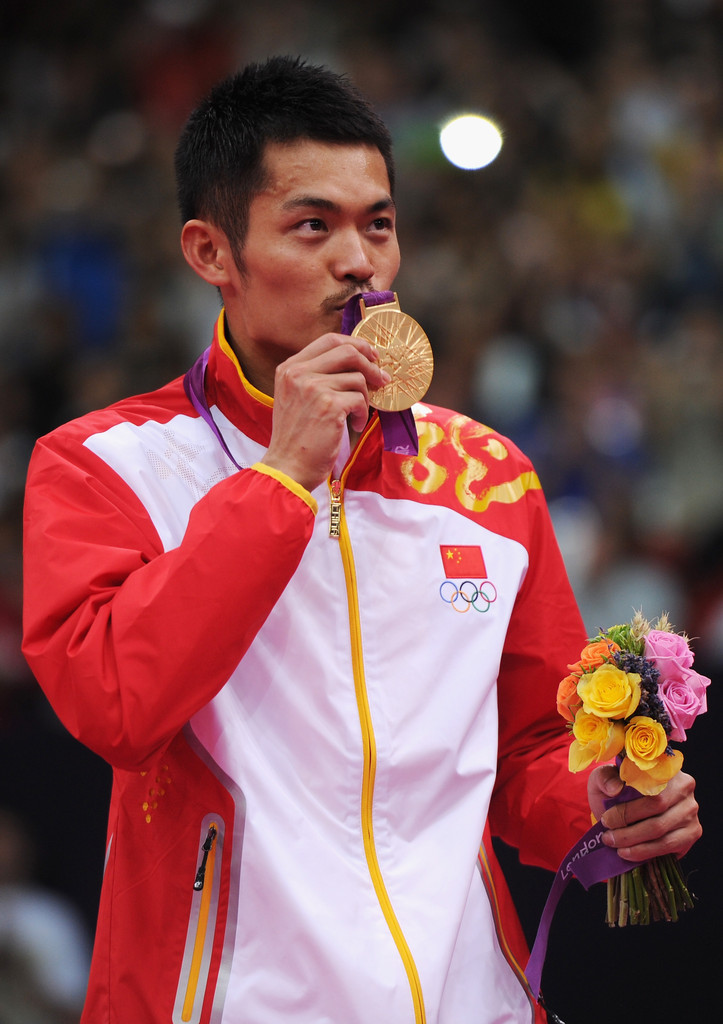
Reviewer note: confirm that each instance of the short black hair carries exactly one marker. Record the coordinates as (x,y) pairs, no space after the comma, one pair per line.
(219,159)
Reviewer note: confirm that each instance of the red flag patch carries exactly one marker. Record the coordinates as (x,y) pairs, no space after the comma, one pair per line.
(463,560)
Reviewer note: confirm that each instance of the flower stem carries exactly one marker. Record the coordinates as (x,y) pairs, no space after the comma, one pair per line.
(612,895)
(623,907)
(654,890)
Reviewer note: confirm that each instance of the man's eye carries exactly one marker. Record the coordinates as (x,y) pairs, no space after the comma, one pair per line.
(382,224)
(314,224)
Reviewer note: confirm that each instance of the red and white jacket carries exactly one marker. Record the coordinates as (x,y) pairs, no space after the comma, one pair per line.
(312,737)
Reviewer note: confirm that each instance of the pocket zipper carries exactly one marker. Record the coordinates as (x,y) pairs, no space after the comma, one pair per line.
(204,885)
(206,849)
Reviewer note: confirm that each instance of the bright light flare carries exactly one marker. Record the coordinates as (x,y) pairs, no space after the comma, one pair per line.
(470,141)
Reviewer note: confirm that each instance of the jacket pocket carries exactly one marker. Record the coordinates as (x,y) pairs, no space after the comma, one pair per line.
(195,968)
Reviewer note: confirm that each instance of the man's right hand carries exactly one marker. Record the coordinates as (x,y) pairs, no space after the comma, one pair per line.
(317,392)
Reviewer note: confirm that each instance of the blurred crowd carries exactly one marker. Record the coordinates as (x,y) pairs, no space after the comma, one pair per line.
(570,289)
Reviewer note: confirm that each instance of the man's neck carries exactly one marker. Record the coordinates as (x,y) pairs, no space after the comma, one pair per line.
(259,372)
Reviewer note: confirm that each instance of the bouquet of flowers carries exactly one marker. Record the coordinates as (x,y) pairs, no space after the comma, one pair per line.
(632,692)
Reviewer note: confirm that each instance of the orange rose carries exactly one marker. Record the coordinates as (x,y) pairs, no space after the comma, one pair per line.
(568,701)
(597,653)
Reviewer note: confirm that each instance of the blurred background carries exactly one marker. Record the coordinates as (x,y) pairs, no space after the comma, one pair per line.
(571,291)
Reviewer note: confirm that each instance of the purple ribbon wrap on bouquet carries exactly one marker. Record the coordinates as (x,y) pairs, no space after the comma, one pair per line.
(589,861)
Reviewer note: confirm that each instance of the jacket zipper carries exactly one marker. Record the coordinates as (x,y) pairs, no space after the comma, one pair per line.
(369,748)
(335,509)
(203,884)
(205,849)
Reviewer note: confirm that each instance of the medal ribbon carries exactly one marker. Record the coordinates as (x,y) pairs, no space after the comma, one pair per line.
(193,386)
(398,428)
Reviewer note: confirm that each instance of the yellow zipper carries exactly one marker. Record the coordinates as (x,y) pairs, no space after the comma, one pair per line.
(370,754)
(203,883)
(335,508)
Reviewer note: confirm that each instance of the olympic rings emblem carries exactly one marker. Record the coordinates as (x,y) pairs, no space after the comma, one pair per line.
(468,595)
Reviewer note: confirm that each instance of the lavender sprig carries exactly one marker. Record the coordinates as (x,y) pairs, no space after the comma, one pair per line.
(650,703)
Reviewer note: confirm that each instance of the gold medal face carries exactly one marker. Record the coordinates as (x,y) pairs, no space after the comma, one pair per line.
(404,352)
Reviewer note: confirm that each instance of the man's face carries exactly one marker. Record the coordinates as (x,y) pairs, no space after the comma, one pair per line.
(321,231)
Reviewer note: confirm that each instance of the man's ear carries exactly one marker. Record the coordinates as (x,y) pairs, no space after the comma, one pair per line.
(207,251)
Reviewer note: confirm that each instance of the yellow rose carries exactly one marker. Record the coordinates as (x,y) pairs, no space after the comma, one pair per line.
(596,739)
(610,692)
(645,741)
(647,767)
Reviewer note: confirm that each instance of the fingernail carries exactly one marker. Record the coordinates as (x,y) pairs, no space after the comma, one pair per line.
(386,377)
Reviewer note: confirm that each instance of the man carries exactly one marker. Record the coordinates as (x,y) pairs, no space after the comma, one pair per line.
(313,731)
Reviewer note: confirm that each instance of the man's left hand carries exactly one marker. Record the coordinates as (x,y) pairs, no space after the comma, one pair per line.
(650,825)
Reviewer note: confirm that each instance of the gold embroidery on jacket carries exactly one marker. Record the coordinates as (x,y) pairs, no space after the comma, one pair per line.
(427,476)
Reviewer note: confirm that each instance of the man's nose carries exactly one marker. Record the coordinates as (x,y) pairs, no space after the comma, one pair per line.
(353,258)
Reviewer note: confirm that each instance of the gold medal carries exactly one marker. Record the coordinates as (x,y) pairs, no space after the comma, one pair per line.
(404,352)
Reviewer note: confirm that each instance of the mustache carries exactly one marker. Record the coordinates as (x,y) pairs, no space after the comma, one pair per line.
(332,304)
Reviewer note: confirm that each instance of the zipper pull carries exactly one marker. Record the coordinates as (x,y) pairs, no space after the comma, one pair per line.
(208,843)
(335,509)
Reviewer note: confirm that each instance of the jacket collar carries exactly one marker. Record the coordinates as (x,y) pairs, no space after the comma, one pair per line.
(227,388)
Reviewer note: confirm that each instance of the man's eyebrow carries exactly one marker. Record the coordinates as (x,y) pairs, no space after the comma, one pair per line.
(318,203)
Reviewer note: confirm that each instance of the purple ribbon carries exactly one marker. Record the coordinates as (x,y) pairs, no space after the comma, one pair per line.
(193,384)
(589,861)
(398,428)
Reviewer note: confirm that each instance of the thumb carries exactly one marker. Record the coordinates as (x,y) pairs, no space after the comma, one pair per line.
(610,781)
(603,784)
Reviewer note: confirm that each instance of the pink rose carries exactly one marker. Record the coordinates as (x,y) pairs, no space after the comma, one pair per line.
(669,651)
(683,695)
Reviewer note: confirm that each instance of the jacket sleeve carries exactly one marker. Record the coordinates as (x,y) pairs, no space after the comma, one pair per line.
(128,640)
(538,805)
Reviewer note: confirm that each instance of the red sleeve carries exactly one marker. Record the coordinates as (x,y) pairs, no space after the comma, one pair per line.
(538,805)
(129,641)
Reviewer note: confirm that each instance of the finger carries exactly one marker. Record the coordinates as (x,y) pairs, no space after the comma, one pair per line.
(628,812)
(342,346)
(365,379)
(646,810)
(343,368)
(679,793)
(674,830)
(676,842)
(603,785)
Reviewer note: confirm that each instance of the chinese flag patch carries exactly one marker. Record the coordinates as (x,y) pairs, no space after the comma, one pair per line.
(463,560)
